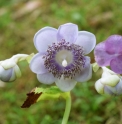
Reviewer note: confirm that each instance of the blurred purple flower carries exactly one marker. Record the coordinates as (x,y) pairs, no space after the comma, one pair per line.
(61,58)
(109,53)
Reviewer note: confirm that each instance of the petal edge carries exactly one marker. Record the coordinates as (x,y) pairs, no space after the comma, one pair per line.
(37,64)
(87,40)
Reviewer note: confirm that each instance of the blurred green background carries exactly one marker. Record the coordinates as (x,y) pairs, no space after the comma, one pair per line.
(19,21)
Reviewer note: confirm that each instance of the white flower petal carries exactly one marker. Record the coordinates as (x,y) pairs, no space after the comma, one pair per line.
(68,32)
(46,78)
(8,63)
(99,87)
(37,64)
(87,40)
(105,74)
(19,57)
(65,84)
(111,80)
(86,72)
(45,37)
(108,70)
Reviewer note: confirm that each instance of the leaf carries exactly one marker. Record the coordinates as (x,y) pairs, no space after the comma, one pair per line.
(38,94)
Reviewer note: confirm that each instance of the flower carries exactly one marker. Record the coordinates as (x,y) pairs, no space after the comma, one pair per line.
(61,58)
(110,83)
(9,69)
(109,53)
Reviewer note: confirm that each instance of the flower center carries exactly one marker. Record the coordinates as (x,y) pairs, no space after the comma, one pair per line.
(62,55)
(64,59)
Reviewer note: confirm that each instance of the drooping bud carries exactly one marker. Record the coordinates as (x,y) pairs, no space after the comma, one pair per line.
(110,83)
(9,69)
(8,75)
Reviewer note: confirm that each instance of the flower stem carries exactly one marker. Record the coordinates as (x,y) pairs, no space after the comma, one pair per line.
(67,109)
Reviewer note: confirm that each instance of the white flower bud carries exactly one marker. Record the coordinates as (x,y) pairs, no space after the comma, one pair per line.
(109,83)
(8,75)
(9,63)
(9,69)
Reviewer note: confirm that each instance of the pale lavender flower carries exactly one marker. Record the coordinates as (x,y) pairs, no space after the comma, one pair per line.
(61,58)
(110,83)
(109,53)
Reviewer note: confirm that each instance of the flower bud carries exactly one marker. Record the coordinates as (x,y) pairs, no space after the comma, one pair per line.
(9,63)
(110,83)
(8,75)
(9,69)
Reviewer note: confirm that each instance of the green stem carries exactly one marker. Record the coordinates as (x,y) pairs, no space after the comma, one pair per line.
(67,109)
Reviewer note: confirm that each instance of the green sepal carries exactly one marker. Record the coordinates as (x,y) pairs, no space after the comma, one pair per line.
(95,67)
(38,94)
(51,93)
(28,58)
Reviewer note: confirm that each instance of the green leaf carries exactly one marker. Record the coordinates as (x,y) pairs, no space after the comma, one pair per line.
(38,94)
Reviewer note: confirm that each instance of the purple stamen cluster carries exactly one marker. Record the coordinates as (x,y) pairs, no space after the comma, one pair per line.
(77,64)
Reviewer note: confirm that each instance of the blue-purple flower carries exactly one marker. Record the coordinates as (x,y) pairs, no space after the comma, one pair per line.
(109,53)
(61,56)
